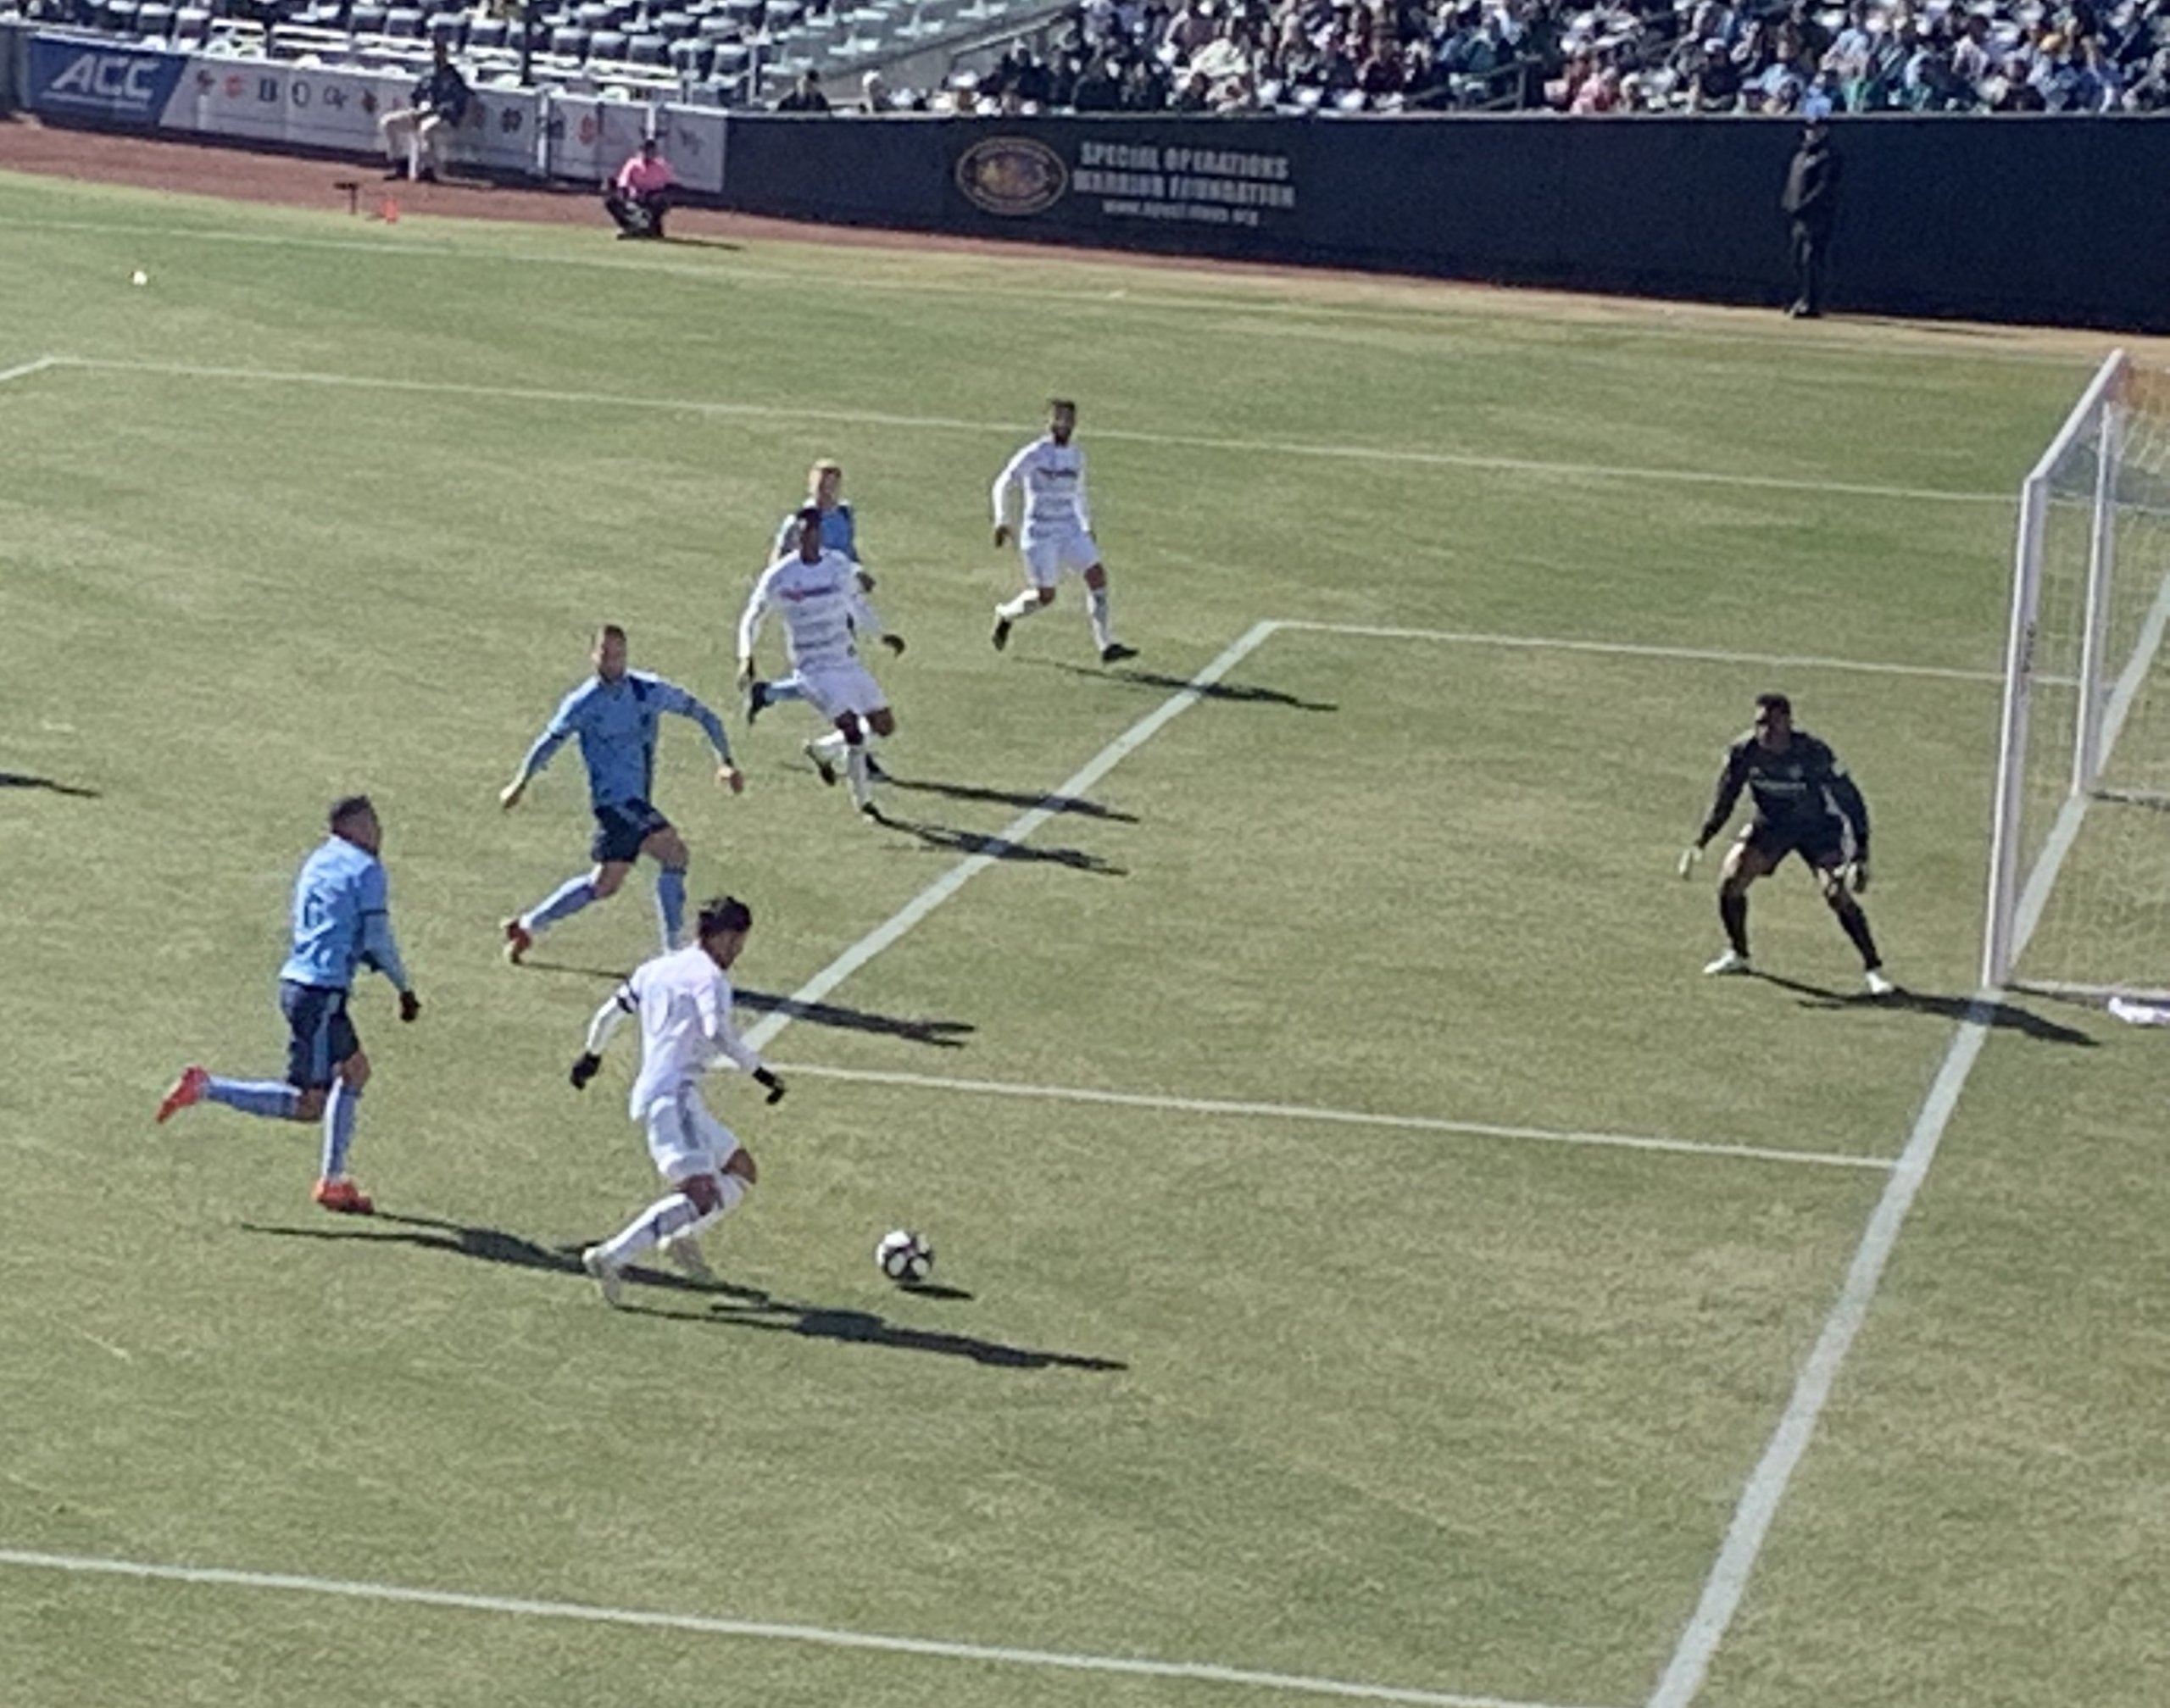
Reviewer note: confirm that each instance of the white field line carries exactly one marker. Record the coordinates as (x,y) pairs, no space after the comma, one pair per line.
(872,417)
(1610,316)
(1684,1674)
(820,1636)
(1341,1118)
(27,368)
(1081,782)
(1701,655)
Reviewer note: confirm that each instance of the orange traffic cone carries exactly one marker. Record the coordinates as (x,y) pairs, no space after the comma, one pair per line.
(389,212)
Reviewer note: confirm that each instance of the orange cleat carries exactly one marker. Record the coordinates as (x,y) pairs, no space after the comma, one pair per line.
(187,1090)
(344,1197)
(518,941)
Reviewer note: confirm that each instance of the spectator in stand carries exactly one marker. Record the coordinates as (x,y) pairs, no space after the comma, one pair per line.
(874,95)
(439,105)
(807,97)
(641,196)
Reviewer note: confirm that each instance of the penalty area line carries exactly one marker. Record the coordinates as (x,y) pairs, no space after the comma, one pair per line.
(1340,1117)
(703,1625)
(27,368)
(1011,836)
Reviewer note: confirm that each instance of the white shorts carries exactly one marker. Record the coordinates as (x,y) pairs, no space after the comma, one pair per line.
(843,686)
(1049,557)
(684,1139)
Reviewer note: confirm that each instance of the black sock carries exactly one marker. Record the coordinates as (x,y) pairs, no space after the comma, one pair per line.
(1733,912)
(1855,924)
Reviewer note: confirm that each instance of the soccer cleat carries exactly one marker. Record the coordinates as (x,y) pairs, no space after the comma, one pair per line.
(1877,984)
(1732,961)
(609,1278)
(1115,651)
(518,941)
(757,701)
(1001,635)
(822,768)
(684,1249)
(187,1090)
(871,813)
(344,1197)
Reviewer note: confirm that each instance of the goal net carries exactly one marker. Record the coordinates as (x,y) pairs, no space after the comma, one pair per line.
(2080,867)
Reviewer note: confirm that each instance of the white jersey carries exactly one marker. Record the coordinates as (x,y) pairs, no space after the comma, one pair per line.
(821,606)
(1053,479)
(684,1003)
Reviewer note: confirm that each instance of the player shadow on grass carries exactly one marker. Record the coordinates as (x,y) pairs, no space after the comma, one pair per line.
(942,1034)
(732,1304)
(2003,1016)
(1011,797)
(948,839)
(1235,693)
(23,780)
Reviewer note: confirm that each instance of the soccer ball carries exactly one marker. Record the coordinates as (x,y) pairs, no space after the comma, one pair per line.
(904,1257)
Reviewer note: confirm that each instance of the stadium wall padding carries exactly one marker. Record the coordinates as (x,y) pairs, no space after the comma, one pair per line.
(2011,217)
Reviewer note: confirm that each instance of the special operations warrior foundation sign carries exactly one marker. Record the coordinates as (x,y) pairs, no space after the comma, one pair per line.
(1126,182)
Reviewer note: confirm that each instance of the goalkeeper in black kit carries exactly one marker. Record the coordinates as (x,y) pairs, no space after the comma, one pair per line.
(1805,805)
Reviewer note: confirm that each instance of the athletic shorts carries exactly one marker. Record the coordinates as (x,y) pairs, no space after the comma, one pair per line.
(319,1034)
(1820,843)
(621,830)
(684,1139)
(843,686)
(1049,557)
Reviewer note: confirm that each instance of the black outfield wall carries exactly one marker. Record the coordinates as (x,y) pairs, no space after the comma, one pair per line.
(2026,219)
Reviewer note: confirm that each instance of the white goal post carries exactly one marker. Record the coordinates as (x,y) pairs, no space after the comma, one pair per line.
(2079,862)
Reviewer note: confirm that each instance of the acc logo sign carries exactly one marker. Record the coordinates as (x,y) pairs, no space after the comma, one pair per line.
(1012,175)
(119,77)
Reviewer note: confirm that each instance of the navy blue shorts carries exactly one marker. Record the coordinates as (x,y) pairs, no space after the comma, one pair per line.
(319,1035)
(1820,843)
(621,830)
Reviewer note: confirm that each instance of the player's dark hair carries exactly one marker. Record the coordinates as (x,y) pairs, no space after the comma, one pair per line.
(1774,702)
(725,913)
(609,631)
(349,807)
(810,516)
(1054,403)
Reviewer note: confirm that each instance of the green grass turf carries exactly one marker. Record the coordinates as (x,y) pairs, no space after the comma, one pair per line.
(1403,1407)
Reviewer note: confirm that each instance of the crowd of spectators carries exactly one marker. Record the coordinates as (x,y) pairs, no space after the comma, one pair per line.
(1680,56)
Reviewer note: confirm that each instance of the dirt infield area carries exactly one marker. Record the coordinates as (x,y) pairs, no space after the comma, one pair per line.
(245,174)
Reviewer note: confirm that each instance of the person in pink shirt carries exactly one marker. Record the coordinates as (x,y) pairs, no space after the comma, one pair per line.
(641,194)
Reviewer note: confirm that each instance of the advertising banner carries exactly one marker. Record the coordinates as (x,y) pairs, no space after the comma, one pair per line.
(692,140)
(1144,178)
(590,139)
(71,78)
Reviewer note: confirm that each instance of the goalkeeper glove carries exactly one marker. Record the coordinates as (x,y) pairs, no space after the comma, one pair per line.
(1688,856)
(585,1068)
(895,644)
(774,1085)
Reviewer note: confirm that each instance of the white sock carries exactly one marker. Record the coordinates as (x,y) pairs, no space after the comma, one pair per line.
(1023,605)
(415,155)
(832,744)
(862,791)
(661,1220)
(1096,602)
(733,1193)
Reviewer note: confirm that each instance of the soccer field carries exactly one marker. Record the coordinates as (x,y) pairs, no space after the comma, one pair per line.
(1375,1265)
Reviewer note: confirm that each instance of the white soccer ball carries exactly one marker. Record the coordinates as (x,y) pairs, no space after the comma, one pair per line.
(904,1257)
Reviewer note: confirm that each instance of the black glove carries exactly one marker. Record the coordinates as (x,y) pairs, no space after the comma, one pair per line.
(585,1068)
(895,644)
(409,1006)
(762,1076)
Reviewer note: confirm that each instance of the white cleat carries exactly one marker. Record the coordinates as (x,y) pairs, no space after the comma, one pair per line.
(609,1276)
(1732,961)
(1878,985)
(684,1249)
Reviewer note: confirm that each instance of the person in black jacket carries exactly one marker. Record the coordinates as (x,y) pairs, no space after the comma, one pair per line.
(417,130)
(1811,204)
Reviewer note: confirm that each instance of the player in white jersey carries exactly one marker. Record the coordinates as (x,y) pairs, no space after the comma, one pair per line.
(683,999)
(825,614)
(1057,537)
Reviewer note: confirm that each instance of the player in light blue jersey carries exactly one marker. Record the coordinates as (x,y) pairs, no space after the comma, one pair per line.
(615,714)
(342,921)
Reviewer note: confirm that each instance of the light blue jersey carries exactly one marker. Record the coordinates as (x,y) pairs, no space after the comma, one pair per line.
(343,919)
(839,534)
(617,723)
